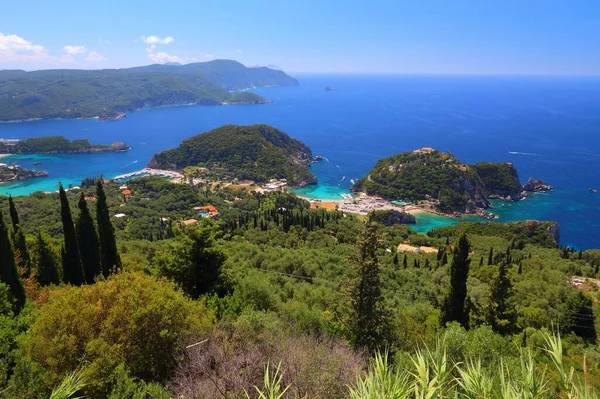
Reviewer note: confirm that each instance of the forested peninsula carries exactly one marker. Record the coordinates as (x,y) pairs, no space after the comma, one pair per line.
(57,145)
(256,152)
(450,185)
(111,93)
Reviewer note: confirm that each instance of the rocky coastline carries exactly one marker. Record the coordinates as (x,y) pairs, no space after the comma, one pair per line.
(10,174)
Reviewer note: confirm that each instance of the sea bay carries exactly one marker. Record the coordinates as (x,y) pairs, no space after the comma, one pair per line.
(547,126)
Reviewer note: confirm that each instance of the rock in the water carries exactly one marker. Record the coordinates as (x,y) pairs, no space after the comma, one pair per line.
(538,185)
(391,217)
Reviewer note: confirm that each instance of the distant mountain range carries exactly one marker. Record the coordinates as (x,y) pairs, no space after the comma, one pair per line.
(110,93)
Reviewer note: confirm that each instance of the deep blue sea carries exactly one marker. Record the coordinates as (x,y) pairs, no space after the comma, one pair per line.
(549,127)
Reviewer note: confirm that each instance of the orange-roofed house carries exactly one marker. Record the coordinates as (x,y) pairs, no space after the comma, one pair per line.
(208,211)
(126,192)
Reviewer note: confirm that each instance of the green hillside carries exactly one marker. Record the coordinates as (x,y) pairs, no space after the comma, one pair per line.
(426,174)
(111,92)
(454,186)
(257,152)
(201,310)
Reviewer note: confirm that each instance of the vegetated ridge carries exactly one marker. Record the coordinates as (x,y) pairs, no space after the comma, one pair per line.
(57,145)
(451,185)
(110,93)
(256,152)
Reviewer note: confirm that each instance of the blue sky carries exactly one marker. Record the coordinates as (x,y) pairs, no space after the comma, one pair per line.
(380,36)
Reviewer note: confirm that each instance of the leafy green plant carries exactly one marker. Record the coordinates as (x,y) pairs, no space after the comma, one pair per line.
(70,386)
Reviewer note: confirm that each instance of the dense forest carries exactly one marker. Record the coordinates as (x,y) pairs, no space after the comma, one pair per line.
(273,299)
(428,174)
(257,152)
(109,93)
(55,145)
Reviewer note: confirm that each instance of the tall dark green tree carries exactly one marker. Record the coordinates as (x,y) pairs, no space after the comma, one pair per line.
(19,241)
(110,261)
(491,257)
(21,251)
(14,216)
(8,267)
(194,262)
(370,321)
(89,246)
(578,316)
(47,264)
(455,306)
(502,313)
(405,261)
(71,258)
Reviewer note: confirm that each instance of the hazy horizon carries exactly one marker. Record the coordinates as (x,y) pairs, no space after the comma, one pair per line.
(465,38)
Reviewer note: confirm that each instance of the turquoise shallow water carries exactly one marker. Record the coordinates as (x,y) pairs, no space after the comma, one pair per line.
(547,127)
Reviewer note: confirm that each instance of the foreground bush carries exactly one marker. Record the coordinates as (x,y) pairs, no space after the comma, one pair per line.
(230,364)
(131,319)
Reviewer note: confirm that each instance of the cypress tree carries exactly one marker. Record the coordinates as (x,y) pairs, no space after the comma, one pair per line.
(47,268)
(109,257)
(71,259)
(445,258)
(89,247)
(14,216)
(370,319)
(502,312)
(395,260)
(8,267)
(481,261)
(19,241)
(405,261)
(491,256)
(455,307)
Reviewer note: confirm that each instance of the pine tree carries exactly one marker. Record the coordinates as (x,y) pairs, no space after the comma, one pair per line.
(71,259)
(370,319)
(89,247)
(47,268)
(491,257)
(109,257)
(455,307)
(8,267)
(502,313)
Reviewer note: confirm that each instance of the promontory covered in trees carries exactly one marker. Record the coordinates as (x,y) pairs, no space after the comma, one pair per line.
(57,145)
(453,186)
(256,152)
(110,93)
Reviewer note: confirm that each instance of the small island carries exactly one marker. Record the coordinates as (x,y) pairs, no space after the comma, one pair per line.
(57,145)
(440,183)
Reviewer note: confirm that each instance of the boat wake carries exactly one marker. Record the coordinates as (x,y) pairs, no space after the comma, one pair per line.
(343,178)
(524,153)
(131,163)
(338,166)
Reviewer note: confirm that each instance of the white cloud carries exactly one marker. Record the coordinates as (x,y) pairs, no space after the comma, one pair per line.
(94,57)
(16,44)
(209,56)
(157,40)
(161,58)
(73,50)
